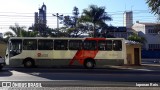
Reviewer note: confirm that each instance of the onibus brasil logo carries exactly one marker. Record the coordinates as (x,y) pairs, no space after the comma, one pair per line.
(20,84)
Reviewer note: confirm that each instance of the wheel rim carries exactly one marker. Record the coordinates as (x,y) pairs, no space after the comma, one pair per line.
(89,64)
(28,63)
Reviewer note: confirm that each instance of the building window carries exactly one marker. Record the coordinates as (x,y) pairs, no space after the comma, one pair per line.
(45,44)
(61,44)
(75,44)
(154,46)
(152,31)
(30,44)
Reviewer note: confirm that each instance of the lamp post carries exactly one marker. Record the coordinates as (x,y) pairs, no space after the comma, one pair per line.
(58,17)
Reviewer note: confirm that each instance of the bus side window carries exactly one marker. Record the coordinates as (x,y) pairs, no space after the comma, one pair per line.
(101,45)
(109,45)
(45,44)
(29,44)
(117,45)
(75,44)
(89,45)
(61,44)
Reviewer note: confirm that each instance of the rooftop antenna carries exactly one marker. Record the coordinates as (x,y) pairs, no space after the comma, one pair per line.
(132,7)
(125,7)
(39,6)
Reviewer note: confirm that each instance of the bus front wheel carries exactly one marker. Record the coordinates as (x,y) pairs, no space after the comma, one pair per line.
(89,63)
(28,63)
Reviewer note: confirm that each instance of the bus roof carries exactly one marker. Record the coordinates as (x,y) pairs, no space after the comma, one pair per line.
(88,38)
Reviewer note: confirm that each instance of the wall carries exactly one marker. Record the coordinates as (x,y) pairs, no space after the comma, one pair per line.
(3,47)
(130,53)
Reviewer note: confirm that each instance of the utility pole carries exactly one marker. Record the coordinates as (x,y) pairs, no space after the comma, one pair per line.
(58,17)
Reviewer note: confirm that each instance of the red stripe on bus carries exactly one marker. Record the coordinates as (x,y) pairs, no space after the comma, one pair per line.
(81,55)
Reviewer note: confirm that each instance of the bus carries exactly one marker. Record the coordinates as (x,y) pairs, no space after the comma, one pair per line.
(89,52)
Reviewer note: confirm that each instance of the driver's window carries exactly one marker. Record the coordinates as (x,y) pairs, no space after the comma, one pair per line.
(15,47)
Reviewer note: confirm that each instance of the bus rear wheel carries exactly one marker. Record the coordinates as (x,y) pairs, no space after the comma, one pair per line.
(29,63)
(89,63)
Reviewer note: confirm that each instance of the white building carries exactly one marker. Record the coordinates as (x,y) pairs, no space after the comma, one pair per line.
(150,32)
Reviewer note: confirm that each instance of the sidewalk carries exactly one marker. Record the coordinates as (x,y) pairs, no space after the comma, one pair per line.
(153,67)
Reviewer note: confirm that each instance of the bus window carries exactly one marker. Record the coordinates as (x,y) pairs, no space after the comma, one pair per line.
(109,45)
(75,44)
(117,45)
(101,45)
(15,47)
(30,44)
(61,44)
(89,45)
(45,44)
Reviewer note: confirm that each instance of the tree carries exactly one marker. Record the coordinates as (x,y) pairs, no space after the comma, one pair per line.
(7,35)
(71,21)
(95,15)
(75,13)
(68,21)
(154,5)
(137,38)
(17,30)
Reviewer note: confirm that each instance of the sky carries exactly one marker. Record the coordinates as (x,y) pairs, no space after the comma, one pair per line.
(22,11)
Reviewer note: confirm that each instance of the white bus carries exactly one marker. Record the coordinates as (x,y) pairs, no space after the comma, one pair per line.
(89,52)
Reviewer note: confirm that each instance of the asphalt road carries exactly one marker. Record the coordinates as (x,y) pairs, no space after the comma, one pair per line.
(67,76)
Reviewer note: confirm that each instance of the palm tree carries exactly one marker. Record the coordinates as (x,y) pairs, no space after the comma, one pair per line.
(95,15)
(154,5)
(17,30)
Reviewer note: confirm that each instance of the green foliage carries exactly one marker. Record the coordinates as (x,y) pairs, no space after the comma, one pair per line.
(18,30)
(96,16)
(154,6)
(137,38)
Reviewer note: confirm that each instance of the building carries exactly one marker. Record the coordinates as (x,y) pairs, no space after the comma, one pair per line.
(121,32)
(133,50)
(128,19)
(126,30)
(150,32)
(40,20)
(42,14)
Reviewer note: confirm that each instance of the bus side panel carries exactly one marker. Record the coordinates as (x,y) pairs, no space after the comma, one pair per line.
(63,57)
(109,58)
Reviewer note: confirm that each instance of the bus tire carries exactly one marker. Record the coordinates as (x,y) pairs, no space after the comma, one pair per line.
(89,63)
(28,63)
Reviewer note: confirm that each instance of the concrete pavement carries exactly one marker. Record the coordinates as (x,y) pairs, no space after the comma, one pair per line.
(142,67)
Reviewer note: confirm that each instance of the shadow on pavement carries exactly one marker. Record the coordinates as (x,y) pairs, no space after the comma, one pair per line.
(108,73)
(5,73)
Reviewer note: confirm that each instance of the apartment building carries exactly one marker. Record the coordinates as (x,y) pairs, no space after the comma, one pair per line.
(151,32)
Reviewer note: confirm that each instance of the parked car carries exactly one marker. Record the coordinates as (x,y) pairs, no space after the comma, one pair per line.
(2,62)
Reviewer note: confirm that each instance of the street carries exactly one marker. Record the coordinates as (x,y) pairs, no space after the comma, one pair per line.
(70,76)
